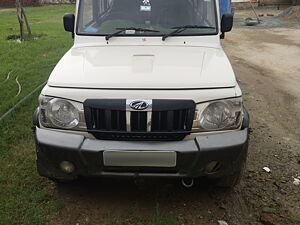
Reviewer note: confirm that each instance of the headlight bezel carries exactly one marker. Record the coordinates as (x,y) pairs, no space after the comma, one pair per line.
(45,119)
(235,105)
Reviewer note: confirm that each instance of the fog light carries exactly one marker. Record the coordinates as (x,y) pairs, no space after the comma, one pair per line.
(212,167)
(67,167)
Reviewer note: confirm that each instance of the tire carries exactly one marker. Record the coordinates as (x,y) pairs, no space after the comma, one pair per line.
(233,179)
(230,181)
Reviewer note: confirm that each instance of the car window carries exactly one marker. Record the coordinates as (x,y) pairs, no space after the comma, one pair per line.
(105,16)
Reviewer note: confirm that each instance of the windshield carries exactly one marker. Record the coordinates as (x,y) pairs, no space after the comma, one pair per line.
(104,17)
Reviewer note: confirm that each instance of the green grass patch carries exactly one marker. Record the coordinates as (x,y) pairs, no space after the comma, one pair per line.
(162,218)
(30,61)
(25,197)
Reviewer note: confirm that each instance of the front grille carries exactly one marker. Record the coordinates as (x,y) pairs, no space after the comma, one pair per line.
(113,120)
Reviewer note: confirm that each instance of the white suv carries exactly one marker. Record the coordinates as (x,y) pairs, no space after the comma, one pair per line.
(146,90)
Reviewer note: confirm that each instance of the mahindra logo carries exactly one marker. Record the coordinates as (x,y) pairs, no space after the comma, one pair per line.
(139,105)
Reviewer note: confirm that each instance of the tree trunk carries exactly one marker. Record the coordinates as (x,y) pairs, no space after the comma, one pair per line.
(21,18)
(27,24)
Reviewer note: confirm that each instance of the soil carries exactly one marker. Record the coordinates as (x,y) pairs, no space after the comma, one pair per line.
(267,66)
(284,17)
(291,14)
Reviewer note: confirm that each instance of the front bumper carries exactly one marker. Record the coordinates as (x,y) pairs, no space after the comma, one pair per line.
(192,156)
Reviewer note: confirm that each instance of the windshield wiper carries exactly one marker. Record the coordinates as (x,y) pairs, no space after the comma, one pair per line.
(120,30)
(183,28)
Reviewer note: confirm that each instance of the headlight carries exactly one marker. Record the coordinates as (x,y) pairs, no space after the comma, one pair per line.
(218,115)
(61,113)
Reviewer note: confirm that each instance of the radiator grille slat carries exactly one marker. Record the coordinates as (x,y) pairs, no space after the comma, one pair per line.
(170,119)
(108,119)
(117,120)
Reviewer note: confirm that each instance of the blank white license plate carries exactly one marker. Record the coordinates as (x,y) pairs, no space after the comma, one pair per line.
(140,158)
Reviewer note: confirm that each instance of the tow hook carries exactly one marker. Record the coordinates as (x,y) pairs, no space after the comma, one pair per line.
(187,182)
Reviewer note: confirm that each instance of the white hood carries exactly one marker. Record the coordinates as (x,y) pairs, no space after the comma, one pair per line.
(143,67)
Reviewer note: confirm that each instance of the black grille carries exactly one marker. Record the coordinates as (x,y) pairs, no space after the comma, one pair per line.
(170,120)
(176,120)
(105,119)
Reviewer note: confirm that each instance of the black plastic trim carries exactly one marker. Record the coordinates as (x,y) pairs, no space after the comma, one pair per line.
(139,136)
(246,119)
(35,118)
(99,120)
(54,147)
(111,104)
(170,104)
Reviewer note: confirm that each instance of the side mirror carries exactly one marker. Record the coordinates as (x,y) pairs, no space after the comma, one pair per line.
(226,23)
(69,22)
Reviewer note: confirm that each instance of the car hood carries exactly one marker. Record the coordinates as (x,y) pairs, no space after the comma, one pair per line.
(143,67)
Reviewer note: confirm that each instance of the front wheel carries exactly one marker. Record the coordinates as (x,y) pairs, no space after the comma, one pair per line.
(229,181)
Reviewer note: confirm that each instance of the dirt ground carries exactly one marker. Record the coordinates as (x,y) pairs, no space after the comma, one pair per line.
(267,65)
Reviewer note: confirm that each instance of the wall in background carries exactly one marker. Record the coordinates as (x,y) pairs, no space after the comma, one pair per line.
(275,2)
(57,1)
(262,2)
(35,2)
(13,2)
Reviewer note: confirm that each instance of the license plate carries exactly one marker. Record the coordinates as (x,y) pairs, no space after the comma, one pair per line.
(140,158)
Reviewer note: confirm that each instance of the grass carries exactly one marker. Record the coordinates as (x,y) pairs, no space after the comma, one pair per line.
(30,61)
(26,198)
(159,218)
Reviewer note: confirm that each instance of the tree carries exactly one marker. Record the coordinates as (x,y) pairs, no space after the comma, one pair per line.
(22,18)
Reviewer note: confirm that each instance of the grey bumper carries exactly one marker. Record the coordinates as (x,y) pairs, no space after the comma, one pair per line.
(86,154)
